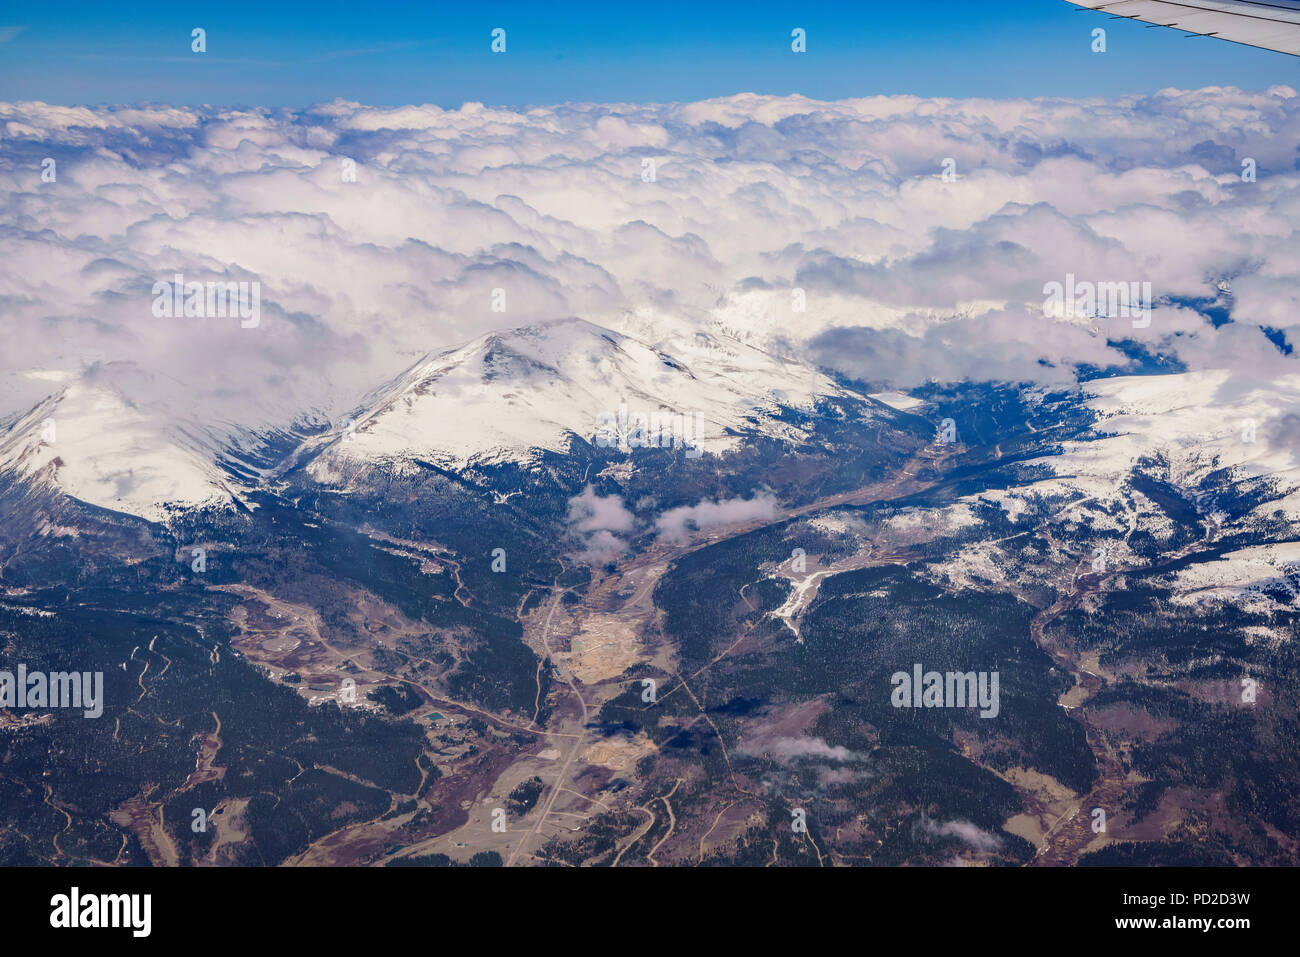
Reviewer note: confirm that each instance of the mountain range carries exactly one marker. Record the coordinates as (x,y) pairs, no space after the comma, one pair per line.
(353,638)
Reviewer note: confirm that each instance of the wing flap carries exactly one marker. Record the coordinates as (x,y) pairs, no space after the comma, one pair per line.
(1270,26)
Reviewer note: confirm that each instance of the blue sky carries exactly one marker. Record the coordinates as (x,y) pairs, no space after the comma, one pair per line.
(282,54)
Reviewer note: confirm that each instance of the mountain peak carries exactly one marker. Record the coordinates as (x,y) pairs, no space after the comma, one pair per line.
(108,438)
(510,394)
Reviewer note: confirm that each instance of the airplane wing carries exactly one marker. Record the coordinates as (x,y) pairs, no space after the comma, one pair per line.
(1268,24)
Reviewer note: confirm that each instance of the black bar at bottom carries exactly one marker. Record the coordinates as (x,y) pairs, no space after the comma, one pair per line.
(363,906)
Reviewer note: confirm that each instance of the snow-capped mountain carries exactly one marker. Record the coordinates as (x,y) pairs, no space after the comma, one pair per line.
(124,438)
(1198,471)
(507,395)
(108,439)
(1202,427)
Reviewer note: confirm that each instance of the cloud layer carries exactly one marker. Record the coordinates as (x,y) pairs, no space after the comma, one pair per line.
(379,234)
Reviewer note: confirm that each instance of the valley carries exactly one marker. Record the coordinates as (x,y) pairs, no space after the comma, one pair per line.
(387,661)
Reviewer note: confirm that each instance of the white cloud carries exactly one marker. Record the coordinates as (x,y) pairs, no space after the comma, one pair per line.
(676,524)
(784,750)
(600,523)
(966,832)
(907,277)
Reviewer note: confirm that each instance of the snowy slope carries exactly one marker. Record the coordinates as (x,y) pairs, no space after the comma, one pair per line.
(1198,418)
(506,395)
(1242,576)
(118,437)
(138,442)
(1201,435)
(1197,421)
